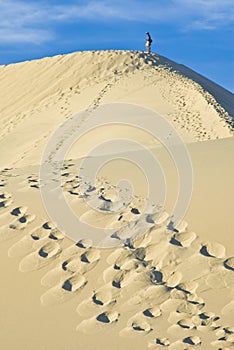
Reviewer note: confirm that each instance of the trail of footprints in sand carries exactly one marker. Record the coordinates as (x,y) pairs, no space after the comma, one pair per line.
(147,276)
(154,279)
(184,118)
(17,218)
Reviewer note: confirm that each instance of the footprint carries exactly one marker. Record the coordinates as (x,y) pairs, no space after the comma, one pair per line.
(33,181)
(103,322)
(186,323)
(48,225)
(6,203)
(41,257)
(183,239)
(90,256)
(74,283)
(2,183)
(102,298)
(54,276)
(76,248)
(162,341)
(20,220)
(28,243)
(65,290)
(188,287)
(152,312)
(5,200)
(136,324)
(192,340)
(108,317)
(158,342)
(128,277)
(77,263)
(214,250)
(19,211)
(186,307)
(229,263)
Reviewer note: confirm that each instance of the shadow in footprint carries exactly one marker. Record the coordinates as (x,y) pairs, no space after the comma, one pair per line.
(80,245)
(135,211)
(171,227)
(52,236)
(64,265)
(156,277)
(138,328)
(204,251)
(116,267)
(23,220)
(96,301)
(15,212)
(149,219)
(116,284)
(188,341)
(175,242)
(42,253)
(46,226)
(161,342)
(228,265)
(147,313)
(84,258)
(103,318)
(192,340)
(35,237)
(34,186)
(203,316)
(67,286)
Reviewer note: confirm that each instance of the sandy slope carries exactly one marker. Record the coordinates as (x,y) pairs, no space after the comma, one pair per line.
(168,289)
(36,96)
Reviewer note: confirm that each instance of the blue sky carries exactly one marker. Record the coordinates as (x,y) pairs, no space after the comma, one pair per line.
(197,33)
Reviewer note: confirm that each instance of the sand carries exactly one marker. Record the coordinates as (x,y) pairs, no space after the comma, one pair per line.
(167,288)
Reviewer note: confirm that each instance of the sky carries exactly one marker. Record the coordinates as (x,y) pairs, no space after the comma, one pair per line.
(196,33)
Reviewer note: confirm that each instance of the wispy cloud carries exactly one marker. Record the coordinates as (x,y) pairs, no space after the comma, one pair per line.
(206,14)
(23,22)
(27,35)
(215,12)
(29,21)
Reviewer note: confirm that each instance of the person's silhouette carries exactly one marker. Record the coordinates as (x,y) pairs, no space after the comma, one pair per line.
(148,42)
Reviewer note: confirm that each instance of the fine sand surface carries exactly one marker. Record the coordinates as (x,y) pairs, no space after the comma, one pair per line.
(170,288)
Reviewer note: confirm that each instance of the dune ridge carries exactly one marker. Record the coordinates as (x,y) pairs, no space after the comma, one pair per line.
(32,107)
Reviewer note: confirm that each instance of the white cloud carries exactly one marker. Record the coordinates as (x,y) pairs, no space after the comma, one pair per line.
(216,11)
(22,22)
(27,21)
(35,36)
(207,14)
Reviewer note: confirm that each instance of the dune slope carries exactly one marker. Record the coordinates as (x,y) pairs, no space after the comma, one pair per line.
(37,96)
(170,288)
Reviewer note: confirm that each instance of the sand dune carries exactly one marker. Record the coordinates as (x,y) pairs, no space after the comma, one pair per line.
(38,95)
(169,288)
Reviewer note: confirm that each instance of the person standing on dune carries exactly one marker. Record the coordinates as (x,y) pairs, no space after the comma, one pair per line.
(148,42)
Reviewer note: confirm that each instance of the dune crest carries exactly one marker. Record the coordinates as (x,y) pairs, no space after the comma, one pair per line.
(56,88)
